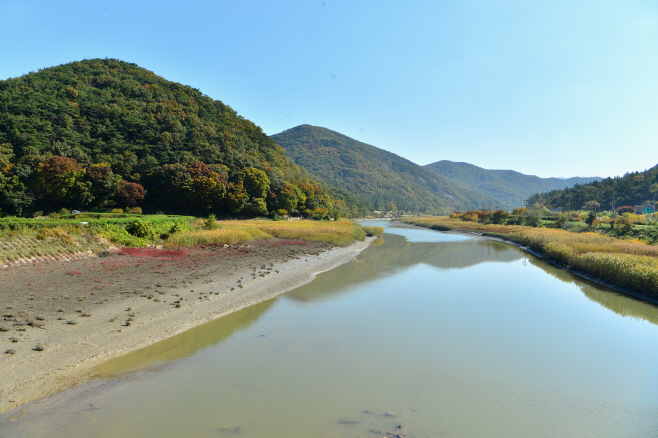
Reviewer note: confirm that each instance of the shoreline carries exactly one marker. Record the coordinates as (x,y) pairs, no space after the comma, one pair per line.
(72,350)
(616,288)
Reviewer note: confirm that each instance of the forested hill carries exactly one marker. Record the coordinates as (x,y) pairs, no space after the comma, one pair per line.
(375,175)
(104,133)
(634,188)
(511,187)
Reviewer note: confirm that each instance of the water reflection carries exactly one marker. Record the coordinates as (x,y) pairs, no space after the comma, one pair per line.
(397,254)
(185,344)
(609,298)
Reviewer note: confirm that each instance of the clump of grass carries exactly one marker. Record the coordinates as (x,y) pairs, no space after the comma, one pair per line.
(39,347)
(113,319)
(85,314)
(373,231)
(10,351)
(14,339)
(71,322)
(4,328)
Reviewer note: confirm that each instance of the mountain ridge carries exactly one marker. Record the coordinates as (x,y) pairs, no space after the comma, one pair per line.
(510,186)
(377,176)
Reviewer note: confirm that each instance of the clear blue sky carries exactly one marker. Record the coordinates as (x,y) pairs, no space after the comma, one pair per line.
(551,88)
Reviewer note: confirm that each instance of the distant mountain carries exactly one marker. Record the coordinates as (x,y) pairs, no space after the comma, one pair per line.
(511,187)
(374,175)
(633,188)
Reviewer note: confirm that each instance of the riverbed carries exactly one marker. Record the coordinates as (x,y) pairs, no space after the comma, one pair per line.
(426,334)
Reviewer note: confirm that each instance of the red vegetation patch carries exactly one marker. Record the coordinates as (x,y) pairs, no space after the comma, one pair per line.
(152,252)
(286,242)
(73,273)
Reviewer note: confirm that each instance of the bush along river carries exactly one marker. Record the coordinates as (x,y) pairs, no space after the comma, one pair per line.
(427,334)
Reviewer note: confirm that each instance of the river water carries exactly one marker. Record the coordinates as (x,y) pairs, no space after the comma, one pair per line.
(427,334)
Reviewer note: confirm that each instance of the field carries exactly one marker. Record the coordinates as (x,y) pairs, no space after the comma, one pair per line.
(630,265)
(73,237)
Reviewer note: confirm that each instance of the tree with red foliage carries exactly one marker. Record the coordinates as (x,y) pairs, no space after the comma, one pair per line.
(130,194)
(56,166)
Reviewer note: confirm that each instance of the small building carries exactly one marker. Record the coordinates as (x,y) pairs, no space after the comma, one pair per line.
(556,210)
(644,209)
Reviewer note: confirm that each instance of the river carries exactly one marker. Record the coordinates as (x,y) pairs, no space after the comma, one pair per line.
(427,334)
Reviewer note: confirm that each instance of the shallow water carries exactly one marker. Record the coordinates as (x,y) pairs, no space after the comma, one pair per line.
(428,334)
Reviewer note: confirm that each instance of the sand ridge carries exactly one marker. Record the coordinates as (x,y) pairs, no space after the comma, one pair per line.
(85,312)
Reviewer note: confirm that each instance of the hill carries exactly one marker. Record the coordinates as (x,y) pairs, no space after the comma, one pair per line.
(633,188)
(372,174)
(104,133)
(512,188)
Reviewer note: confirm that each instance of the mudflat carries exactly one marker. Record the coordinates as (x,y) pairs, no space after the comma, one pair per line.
(61,318)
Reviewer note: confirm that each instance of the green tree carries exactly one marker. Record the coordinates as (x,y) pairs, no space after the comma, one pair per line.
(256,182)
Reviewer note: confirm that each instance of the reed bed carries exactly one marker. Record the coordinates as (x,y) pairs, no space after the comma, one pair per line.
(373,231)
(630,265)
(340,233)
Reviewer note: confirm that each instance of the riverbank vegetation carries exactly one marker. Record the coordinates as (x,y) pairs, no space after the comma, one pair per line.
(341,233)
(632,265)
(79,235)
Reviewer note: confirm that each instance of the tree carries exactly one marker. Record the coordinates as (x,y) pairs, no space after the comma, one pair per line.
(255,182)
(63,182)
(104,183)
(237,197)
(591,218)
(591,206)
(535,214)
(130,194)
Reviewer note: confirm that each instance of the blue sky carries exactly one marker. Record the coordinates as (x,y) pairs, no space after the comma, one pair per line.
(559,88)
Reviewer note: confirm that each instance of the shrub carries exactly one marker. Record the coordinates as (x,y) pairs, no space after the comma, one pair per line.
(210,223)
(142,229)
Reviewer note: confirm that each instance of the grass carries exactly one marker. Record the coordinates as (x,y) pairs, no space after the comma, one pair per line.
(631,265)
(340,233)
(23,239)
(373,231)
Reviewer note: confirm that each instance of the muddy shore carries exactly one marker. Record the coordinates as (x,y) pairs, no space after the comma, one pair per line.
(60,319)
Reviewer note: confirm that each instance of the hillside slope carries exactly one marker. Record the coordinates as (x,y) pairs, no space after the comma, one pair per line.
(104,133)
(374,175)
(512,188)
(634,188)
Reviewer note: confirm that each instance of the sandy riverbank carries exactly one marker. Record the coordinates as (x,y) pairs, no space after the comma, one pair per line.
(85,312)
